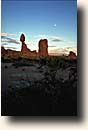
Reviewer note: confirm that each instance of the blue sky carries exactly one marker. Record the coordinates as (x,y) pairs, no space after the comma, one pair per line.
(54,20)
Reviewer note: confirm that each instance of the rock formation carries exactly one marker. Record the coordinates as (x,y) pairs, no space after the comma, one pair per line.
(26,52)
(3,51)
(43,47)
(72,55)
(24,48)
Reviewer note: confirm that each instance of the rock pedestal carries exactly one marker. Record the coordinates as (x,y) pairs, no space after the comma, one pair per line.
(24,48)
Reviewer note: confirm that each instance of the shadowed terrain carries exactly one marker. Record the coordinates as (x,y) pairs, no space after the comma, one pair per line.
(39,87)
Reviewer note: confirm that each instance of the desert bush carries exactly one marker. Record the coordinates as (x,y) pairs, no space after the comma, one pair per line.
(43,61)
(23,69)
(6,66)
(52,61)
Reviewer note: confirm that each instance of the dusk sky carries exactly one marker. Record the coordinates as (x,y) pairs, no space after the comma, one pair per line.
(54,20)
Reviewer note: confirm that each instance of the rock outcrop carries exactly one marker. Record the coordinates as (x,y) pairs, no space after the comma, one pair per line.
(24,48)
(43,47)
(3,51)
(26,52)
(72,55)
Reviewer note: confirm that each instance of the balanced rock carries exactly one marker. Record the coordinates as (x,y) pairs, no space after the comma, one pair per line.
(24,48)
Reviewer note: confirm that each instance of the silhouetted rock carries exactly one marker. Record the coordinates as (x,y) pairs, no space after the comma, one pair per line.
(8,52)
(26,52)
(24,48)
(72,55)
(22,38)
(34,53)
(12,52)
(43,47)
(3,51)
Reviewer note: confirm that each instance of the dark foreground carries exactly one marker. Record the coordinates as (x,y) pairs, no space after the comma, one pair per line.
(49,89)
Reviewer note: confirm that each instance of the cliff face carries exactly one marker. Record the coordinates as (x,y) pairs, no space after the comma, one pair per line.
(43,47)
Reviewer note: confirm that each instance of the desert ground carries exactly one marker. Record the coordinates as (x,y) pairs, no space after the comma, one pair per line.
(43,87)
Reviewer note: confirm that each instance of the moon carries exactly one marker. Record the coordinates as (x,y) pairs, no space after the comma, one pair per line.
(55,25)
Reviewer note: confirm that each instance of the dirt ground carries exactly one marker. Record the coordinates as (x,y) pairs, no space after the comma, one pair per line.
(36,89)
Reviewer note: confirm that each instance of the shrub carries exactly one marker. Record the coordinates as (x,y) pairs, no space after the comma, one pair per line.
(6,66)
